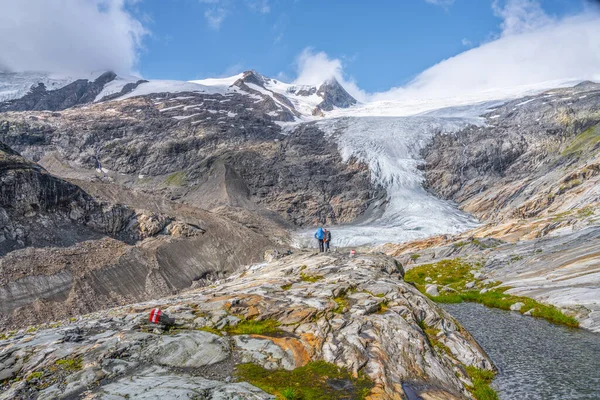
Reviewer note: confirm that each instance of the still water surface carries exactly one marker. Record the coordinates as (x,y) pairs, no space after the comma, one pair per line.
(536,359)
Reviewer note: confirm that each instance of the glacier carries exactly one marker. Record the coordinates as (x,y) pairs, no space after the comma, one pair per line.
(391,147)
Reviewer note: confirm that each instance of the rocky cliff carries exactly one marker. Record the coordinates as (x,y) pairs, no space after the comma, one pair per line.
(534,157)
(184,146)
(66,253)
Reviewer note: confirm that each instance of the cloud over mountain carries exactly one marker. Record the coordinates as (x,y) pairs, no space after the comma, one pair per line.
(69,36)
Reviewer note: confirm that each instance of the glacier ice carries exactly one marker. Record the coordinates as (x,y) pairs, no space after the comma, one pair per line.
(391,147)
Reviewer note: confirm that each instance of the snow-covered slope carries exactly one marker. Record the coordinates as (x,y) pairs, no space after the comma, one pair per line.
(16,85)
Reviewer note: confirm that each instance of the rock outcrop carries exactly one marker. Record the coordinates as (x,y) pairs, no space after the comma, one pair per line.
(535,157)
(186,146)
(66,253)
(79,92)
(356,313)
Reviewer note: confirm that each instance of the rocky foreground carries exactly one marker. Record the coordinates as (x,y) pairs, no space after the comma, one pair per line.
(356,313)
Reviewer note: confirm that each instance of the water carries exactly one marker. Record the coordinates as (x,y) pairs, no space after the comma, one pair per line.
(391,147)
(536,359)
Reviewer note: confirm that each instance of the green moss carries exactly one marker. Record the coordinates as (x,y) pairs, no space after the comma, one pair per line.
(311,382)
(254,327)
(342,304)
(415,257)
(514,258)
(210,329)
(310,278)
(432,337)
(69,364)
(482,379)
(586,140)
(176,179)
(34,375)
(585,212)
(286,287)
(457,273)
(291,394)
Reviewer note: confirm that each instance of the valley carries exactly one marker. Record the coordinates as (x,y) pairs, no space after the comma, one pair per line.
(120,195)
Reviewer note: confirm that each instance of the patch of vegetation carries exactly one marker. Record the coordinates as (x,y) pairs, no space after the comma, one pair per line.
(516,257)
(456,273)
(415,257)
(34,375)
(176,179)
(310,278)
(342,304)
(586,140)
(69,364)
(254,327)
(482,379)
(585,212)
(317,380)
(210,329)
(383,307)
(291,394)
(432,337)
(286,287)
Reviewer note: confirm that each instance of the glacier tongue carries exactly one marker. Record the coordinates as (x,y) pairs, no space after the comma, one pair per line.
(391,147)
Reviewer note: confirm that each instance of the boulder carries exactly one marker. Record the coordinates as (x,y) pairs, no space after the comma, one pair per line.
(432,290)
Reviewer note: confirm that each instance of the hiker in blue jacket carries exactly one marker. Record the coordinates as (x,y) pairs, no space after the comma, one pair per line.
(320,236)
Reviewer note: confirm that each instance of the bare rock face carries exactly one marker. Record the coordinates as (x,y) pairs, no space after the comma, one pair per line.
(535,157)
(79,92)
(205,150)
(356,313)
(66,253)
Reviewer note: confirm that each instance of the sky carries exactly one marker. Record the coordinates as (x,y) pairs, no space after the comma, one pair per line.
(378,49)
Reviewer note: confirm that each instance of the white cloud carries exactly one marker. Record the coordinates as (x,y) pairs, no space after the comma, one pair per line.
(261,6)
(466,42)
(215,16)
(442,3)
(69,36)
(218,10)
(533,50)
(520,16)
(313,68)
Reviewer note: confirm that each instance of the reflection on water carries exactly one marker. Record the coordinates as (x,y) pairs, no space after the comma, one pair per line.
(536,359)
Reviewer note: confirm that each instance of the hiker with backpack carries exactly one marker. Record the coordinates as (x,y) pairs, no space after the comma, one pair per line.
(320,236)
(327,239)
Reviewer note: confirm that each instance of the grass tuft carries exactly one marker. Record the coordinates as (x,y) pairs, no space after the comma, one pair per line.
(210,329)
(176,179)
(310,278)
(482,379)
(286,287)
(316,380)
(69,364)
(254,327)
(457,273)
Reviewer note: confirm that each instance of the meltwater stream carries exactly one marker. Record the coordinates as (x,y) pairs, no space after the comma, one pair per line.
(537,360)
(391,147)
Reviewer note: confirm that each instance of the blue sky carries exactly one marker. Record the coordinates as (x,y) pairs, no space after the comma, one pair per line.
(379,46)
(398,49)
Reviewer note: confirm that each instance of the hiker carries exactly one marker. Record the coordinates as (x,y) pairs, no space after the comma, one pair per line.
(320,236)
(327,239)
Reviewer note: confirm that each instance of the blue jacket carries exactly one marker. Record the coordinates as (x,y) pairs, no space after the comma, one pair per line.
(320,234)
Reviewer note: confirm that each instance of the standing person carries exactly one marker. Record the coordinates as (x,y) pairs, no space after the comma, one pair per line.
(320,236)
(327,239)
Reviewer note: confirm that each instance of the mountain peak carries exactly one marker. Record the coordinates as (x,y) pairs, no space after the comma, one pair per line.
(334,95)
